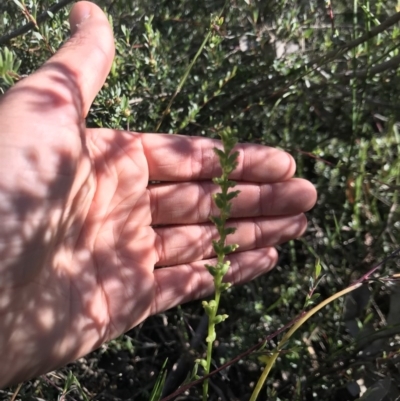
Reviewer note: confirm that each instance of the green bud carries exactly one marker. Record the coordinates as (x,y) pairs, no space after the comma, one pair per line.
(207,308)
(225,267)
(212,304)
(229,248)
(201,362)
(220,318)
(218,180)
(225,286)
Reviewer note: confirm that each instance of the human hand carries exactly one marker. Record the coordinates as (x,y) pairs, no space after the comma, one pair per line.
(88,248)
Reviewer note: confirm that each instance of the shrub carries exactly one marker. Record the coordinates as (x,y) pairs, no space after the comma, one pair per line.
(278,73)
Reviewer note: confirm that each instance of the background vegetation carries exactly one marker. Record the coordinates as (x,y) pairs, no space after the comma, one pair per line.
(280,73)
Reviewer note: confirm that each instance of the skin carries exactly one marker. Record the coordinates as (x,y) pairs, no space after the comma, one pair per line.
(88,249)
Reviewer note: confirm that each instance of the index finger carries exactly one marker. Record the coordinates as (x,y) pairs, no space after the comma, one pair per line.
(184,158)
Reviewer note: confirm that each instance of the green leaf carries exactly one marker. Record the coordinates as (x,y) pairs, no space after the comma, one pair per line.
(232,195)
(219,200)
(156,393)
(229,248)
(212,270)
(220,153)
(232,158)
(216,220)
(218,249)
(308,33)
(230,230)
(311,300)
(317,270)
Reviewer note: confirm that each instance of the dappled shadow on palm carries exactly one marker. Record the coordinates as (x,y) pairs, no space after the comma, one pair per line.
(28,302)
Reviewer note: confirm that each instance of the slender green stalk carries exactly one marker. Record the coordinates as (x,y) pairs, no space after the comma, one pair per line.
(222,200)
(183,79)
(359,181)
(216,21)
(353,82)
(211,329)
(354,105)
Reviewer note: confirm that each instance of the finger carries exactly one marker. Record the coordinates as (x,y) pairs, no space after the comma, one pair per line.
(183,283)
(76,73)
(191,203)
(183,244)
(182,158)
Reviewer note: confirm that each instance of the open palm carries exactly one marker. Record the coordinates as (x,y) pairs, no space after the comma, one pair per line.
(102,228)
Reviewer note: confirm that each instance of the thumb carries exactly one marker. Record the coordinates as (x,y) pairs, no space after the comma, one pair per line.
(89,53)
(76,73)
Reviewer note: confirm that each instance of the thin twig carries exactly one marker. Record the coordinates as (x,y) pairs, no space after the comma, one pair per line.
(30,25)
(188,70)
(393,63)
(183,79)
(293,329)
(395,18)
(326,58)
(322,60)
(14,396)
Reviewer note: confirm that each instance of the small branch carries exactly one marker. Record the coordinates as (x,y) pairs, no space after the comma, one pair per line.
(367,276)
(183,79)
(14,396)
(395,18)
(293,329)
(364,278)
(30,25)
(326,58)
(390,64)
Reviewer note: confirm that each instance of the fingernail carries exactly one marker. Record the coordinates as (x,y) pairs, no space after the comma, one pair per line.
(79,14)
